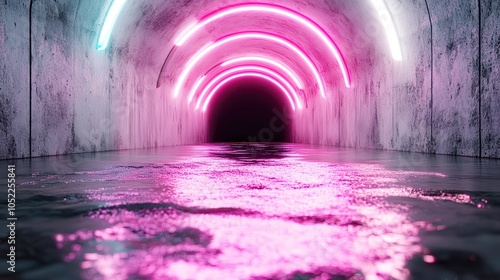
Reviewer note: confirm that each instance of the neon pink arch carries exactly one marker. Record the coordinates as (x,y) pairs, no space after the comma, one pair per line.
(248,74)
(195,88)
(253,69)
(247,35)
(282,67)
(273,9)
(252,59)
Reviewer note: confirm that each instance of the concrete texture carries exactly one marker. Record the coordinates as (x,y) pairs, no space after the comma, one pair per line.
(53,77)
(14,79)
(456,77)
(490,79)
(442,98)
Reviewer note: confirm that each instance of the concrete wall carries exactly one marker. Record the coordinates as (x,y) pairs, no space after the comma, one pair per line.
(456,77)
(14,79)
(490,78)
(442,98)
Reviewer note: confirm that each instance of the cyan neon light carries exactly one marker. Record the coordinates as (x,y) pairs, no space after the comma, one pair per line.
(390,28)
(242,75)
(253,69)
(276,10)
(111,16)
(241,36)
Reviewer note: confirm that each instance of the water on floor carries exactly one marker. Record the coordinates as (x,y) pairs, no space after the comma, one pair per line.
(260,211)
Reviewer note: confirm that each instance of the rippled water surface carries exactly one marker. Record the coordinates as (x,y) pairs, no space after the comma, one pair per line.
(261,211)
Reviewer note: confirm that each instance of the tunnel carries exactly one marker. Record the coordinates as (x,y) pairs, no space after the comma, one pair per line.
(112,75)
(266,139)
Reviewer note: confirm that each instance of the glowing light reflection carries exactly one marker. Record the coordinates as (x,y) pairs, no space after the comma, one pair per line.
(429,259)
(225,81)
(111,17)
(255,221)
(277,10)
(219,77)
(247,35)
(390,28)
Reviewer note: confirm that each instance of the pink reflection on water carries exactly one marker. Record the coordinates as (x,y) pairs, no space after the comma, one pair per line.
(215,217)
(429,259)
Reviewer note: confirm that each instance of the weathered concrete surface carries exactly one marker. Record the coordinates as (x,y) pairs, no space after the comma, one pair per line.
(54,74)
(490,78)
(411,88)
(456,77)
(14,79)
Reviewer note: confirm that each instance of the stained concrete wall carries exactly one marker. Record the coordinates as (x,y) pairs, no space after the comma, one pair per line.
(456,77)
(490,78)
(14,79)
(442,98)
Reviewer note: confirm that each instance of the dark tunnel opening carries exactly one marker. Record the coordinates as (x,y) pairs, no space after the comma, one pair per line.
(249,110)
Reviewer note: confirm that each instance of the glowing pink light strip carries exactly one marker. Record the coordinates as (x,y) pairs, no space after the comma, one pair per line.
(256,69)
(247,35)
(268,61)
(195,88)
(278,10)
(236,76)
(254,59)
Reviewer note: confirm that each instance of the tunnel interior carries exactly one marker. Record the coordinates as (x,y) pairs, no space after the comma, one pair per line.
(388,110)
(248,110)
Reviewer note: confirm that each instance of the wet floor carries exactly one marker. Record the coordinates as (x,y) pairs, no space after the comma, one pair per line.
(261,211)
